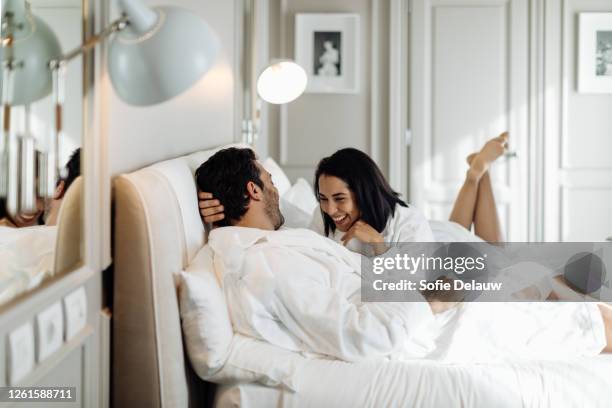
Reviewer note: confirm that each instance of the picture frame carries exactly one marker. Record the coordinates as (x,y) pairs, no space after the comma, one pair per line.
(595,53)
(327,47)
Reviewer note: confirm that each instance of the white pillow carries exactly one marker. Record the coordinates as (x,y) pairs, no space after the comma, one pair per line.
(294,216)
(298,205)
(207,329)
(279,178)
(302,196)
(215,352)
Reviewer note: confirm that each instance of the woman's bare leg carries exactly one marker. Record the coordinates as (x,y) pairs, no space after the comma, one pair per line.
(486,219)
(466,205)
(606,313)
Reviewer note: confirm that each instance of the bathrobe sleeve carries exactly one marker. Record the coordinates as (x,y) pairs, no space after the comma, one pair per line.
(409,225)
(325,321)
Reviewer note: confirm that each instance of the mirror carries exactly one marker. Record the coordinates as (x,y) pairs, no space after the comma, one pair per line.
(40,238)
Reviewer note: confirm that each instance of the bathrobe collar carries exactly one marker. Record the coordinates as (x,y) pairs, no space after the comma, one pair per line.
(243,237)
(231,244)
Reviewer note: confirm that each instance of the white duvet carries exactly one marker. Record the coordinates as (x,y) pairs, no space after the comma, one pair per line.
(300,291)
(26,258)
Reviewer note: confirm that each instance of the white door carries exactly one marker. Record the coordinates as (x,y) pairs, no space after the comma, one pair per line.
(469,82)
(577,203)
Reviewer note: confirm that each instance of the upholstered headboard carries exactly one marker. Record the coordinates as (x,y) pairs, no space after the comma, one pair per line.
(69,229)
(158,231)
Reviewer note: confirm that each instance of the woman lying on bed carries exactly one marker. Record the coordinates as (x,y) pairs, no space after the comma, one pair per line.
(359,207)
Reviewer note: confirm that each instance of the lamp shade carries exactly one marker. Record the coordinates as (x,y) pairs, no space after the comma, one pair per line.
(161,53)
(281,82)
(34,45)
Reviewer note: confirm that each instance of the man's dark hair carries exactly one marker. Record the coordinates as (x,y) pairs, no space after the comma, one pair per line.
(73,168)
(71,171)
(375,197)
(226,175)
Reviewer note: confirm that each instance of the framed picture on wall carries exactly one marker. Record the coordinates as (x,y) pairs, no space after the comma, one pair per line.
(595,53)
(327,47)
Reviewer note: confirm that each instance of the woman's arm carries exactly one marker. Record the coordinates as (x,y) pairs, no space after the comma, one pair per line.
(211,209)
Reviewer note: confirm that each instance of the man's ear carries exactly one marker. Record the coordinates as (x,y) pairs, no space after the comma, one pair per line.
(59,190)
(254,191)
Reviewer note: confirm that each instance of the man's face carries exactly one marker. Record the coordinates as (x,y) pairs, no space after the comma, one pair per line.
(271,198)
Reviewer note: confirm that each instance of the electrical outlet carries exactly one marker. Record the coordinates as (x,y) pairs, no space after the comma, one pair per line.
(21,352)
(50,330)
(75,305)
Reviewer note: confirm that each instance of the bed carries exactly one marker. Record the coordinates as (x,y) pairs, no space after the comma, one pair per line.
(158,233)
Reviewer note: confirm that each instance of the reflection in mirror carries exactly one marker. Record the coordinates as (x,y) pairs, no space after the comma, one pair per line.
(40,144)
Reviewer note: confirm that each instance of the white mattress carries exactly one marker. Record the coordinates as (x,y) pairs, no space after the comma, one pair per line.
(326,383)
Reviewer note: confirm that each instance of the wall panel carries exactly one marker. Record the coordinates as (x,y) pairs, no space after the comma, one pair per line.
(469,83)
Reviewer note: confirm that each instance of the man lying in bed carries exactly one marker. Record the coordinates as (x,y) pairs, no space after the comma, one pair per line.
(301,291)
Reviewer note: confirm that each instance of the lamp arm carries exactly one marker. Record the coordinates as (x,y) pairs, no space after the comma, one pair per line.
(113,27)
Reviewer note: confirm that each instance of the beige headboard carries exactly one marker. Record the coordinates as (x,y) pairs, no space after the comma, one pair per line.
(69,229)
(157,232)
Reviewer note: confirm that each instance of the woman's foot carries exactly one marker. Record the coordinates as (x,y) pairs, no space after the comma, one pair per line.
(480,162)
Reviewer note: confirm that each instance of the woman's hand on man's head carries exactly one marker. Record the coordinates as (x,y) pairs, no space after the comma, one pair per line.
(211,209)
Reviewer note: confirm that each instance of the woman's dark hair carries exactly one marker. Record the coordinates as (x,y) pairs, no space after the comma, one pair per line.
(226,174)
(375,198)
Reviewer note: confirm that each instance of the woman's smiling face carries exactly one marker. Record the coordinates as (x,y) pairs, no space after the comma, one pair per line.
(338,201)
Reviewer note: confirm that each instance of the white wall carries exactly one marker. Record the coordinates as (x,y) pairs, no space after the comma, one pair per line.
(200,118)
(316,125)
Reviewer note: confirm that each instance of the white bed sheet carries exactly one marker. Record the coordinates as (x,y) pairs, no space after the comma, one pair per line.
(330,383)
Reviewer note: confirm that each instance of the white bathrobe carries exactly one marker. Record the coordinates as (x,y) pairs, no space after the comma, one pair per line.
(301,291)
